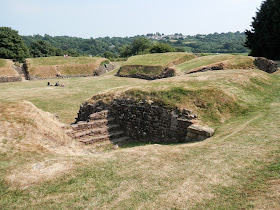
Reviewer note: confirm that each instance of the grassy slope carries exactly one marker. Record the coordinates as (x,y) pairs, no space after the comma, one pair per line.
(233,62)
(50,66)
(6,68)
(152,64)
(237,168)
(157,59)
(2,62)
(60,60)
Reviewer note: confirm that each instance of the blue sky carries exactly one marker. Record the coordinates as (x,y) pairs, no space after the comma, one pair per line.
(97,18)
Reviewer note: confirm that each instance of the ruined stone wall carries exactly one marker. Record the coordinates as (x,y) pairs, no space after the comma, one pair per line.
(136,71)
(147,122)
(266,65)
(10,79)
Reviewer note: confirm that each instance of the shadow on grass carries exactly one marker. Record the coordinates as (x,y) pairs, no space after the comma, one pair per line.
(134,143)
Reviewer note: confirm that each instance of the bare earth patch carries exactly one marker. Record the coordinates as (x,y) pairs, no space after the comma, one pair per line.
(38,172)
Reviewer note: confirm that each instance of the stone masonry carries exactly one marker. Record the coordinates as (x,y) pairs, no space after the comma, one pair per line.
(147,122)
(266,65)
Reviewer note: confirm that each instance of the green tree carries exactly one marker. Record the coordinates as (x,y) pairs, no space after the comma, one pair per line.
(12,45)
(264,39)
(162,48)
(42,48)
(126,51)
(140,46)
(72,52)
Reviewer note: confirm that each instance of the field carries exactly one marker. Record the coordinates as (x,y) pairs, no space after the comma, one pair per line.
(52,66)
(6,68)
(237,168)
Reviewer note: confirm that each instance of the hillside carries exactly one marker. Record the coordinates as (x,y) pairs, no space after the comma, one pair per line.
(153,66)
(51,67)
(237,168)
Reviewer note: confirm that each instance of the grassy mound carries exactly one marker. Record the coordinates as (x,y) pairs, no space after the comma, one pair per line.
(153,66)
(50,67)
(215,97)
(6,69)
(228,61)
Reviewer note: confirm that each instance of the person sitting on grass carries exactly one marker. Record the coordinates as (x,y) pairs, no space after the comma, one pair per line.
(62,85)
(49,84)
(57,83)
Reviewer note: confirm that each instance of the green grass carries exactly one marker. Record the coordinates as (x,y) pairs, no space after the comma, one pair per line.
(2,62)
(234,62)
(157,59)
(64,101)
(60,60)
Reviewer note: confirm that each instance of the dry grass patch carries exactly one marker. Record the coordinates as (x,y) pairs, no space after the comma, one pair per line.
(24,127)
(35,173)
(6,68)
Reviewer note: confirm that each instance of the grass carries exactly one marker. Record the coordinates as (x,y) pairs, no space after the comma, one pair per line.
(60,60)
(152,64)
(64,101)
(236,168)
(232,62)
(158,59)
(48,67)
(2,62)
(6,68)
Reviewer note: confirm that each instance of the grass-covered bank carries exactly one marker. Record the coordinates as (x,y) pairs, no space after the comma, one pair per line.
(50,67)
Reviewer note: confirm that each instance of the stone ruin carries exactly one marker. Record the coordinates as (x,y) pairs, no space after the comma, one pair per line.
(266,65)
(140,121)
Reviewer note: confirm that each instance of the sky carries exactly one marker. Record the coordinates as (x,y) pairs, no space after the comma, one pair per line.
(121,18)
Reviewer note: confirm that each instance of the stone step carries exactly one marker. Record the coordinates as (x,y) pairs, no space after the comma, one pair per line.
(99,115)
(111,136)
(98,131)
(92,124)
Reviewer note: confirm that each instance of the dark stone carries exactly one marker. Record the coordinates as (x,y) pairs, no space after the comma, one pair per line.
(266,65)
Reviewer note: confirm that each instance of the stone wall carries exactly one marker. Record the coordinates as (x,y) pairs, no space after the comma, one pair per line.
(137,71)
(10,79)
(266,65)
(148,122)
(212,67)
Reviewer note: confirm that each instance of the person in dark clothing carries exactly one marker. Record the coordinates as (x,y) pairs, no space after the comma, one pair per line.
(57,83)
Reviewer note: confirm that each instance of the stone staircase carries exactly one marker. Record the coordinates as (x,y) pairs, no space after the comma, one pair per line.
(100,130)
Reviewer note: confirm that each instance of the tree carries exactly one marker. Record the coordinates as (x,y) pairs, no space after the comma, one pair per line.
(263,39)
(162,48)
(12,45)
(140,46)
(72,52)
(42,48)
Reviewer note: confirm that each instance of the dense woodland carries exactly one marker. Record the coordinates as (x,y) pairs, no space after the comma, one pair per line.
(122,47)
